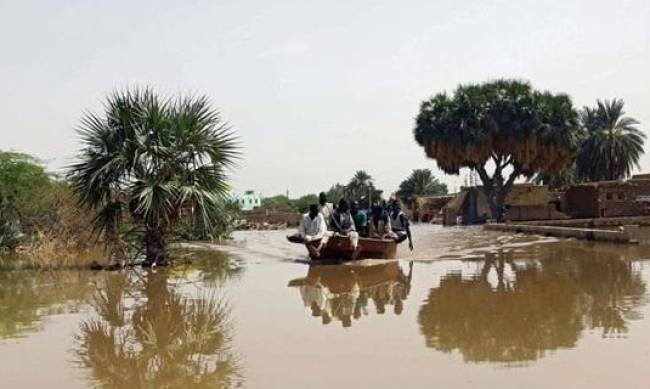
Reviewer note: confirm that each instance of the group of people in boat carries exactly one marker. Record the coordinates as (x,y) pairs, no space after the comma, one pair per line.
(324,220)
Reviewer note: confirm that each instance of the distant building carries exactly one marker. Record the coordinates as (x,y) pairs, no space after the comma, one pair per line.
(249,201)
(427,208)
(610,198)
(524,202)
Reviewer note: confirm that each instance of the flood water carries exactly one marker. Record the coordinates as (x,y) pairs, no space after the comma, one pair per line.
(467,308)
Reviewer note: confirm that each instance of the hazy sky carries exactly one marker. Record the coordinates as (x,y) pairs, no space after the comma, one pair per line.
(316,89)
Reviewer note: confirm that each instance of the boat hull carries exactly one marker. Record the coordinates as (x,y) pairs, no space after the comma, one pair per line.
(340,249)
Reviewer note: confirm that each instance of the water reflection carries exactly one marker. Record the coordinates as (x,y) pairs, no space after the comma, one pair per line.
(514,311)
(215,267)
(149,331)
(343,292)
(28,296)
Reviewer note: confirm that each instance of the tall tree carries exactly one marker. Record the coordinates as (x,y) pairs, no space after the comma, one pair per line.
(420,182)
(24,185)
(613,143)
(504,126)
(336,192)
(151,157)
(362,186)
(305,201)
(559,180)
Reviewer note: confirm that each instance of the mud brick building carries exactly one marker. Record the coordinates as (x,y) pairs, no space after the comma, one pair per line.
(610,198)
(524,202)
(427,208)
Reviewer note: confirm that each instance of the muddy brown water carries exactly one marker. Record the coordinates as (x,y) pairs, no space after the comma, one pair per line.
(467,308)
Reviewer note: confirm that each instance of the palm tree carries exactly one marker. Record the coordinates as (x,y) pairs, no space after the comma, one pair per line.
(361,185)
(336,192)
(613,143)
(420,182)
(153,159)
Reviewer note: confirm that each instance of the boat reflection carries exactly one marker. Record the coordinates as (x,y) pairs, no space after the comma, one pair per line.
(149,332)
(343,292)
(514,311)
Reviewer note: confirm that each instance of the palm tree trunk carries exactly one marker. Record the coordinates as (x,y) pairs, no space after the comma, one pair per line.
(154,243)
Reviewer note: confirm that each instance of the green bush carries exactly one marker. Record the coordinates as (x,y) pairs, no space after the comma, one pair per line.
(305,201)
(24,186)
(278,203)
(10,231)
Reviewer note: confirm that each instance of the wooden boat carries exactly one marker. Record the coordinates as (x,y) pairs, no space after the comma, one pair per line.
(340,249)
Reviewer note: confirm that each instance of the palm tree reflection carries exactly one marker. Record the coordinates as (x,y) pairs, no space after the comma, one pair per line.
(514,311)
(343,292)
(148,334)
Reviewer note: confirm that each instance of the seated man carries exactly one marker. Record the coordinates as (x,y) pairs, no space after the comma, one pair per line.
(379,224)
(400,224)
(342,224)
(310,231)
(360,219)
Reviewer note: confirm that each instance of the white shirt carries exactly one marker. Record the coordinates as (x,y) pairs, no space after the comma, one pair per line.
(312,229)
(326,210)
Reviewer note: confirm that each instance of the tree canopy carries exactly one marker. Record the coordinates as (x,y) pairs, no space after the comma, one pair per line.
(24,184)
(420,182)
(277,203)
(613,143)
(360,185)
(504,125)
(305,201)
(611,146)
(25,196)
(336,192)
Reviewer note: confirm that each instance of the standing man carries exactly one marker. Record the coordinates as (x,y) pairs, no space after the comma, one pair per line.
(311,231)
(325,208)
(400,224)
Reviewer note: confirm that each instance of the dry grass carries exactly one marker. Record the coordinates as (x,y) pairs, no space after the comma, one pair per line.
(49,250)
(64,240)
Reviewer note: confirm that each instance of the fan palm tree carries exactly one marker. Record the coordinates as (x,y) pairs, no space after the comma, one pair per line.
(420,182)
(613,143)
(153,158)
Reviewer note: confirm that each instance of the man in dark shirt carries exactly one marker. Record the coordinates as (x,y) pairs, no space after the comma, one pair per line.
(342,224)
(360,219)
